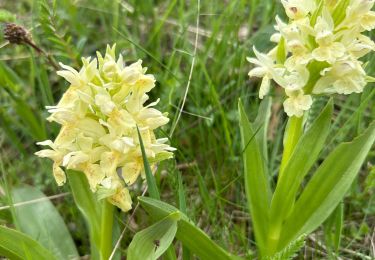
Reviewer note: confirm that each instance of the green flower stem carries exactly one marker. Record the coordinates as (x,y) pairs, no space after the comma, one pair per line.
(291,136)
(106,230)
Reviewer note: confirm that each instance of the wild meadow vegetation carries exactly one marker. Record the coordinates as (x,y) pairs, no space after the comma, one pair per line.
(203,203)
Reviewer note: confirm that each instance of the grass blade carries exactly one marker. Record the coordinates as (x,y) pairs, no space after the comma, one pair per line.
(333,228)
(151,183)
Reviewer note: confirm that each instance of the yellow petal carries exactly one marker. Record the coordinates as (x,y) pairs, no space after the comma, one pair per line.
(59,175)
(122,200)
(94,175)
(131,171)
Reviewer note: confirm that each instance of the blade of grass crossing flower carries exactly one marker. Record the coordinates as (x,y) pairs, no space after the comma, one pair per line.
(302,159)
(333,228)
(16,245)
(89,207)
(151,183)
(190,235)
(328,186)
(256,183)
(33,223)
(152,242)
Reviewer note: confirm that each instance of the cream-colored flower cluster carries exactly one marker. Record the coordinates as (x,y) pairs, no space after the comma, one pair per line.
(99,115)
(317,51)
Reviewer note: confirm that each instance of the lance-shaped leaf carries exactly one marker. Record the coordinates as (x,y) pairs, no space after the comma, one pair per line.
(256,182)
(303,158)
(43,223)
(327,187)
(18,246)
(190,235)
(261,122)
(89,207)
(152,242)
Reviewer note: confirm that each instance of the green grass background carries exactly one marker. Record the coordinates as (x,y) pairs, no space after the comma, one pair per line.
(163,34)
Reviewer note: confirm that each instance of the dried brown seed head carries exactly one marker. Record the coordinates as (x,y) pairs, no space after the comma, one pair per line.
(16,34)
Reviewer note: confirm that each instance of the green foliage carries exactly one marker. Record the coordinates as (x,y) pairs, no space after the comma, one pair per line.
(152,242)
(191,236)
(302,159)
(290,251)
(256,181)
(152,188)
(47,20)
(18,246)
(6,16)
(89,207)
(290,217)
(328,186)
(333,227)
(42,222)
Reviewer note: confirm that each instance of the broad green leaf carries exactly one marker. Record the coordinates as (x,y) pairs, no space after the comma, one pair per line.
(302,159)
(151,183)
(256,183)
(152,242)
(42,222)
(328,186)
(18,246)
(190,235)
(89,207)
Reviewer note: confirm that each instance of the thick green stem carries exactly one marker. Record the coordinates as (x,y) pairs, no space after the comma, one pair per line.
(291,136)
(106,230)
